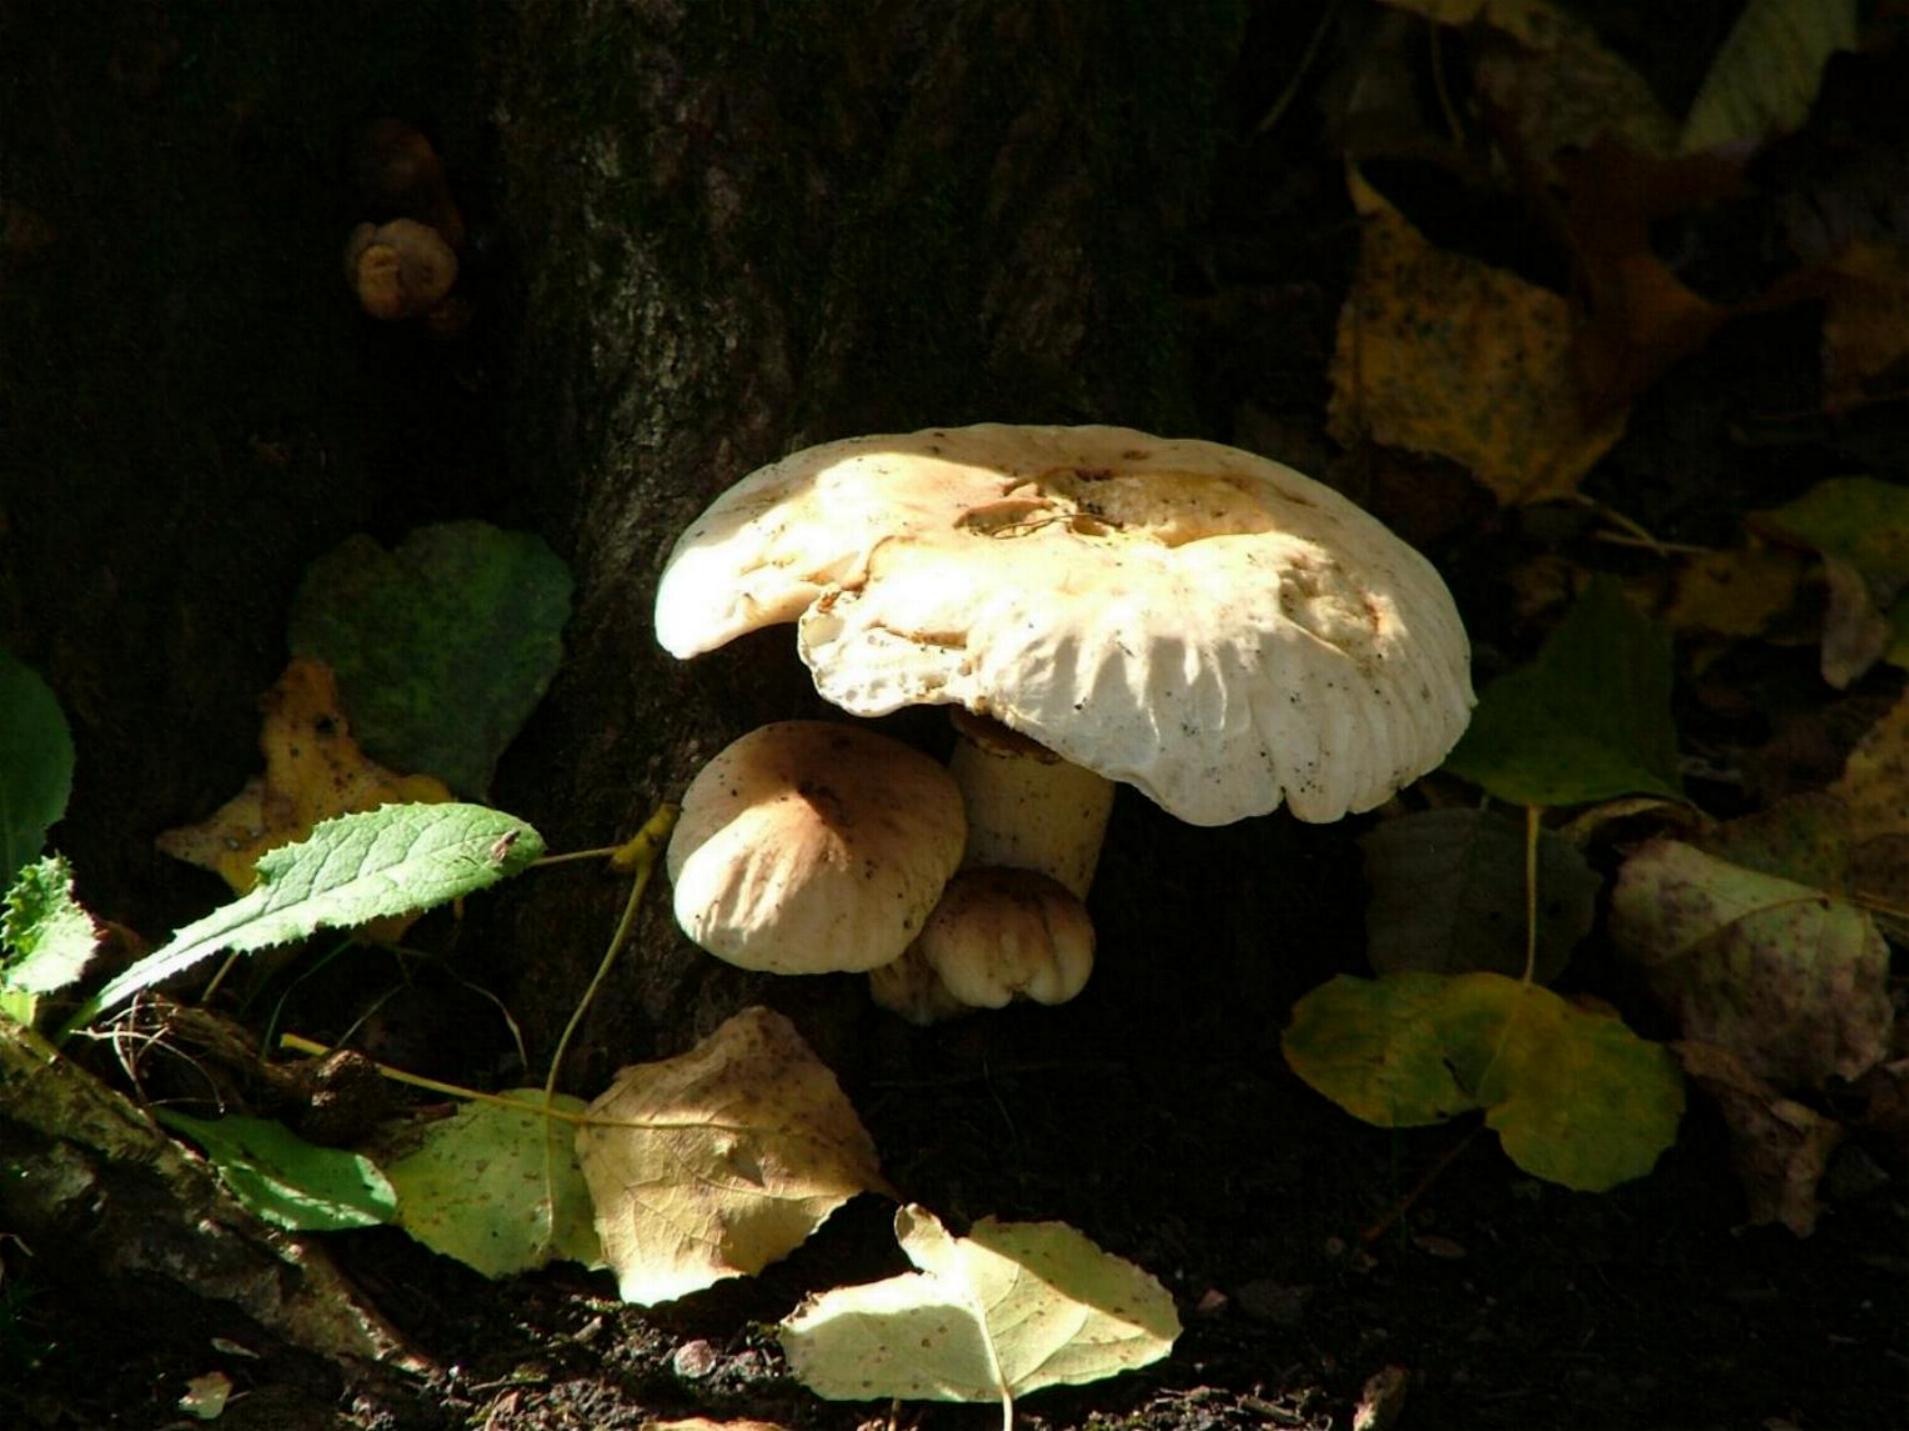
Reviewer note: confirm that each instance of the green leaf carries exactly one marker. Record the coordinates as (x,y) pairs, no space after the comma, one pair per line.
(1857,520)
(1448,895)
(1575,1096)
(36,765)
(442,647)
(1012,1307)
(1765,78)
(498,1188)
(1791,981)
(286,1180)
(394,860)
(46,936)
(1588,719)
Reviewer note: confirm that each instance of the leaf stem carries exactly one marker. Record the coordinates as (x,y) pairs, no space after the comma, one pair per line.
(297,1043)
(1534,816)
(603,852)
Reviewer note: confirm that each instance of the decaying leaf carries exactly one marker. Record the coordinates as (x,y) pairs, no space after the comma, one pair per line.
(497,1187)
(1588,719)
(718,1162)
(1008,1309)
(1575,1096)
(1448,895)
(1788,979)
(1866,324)
(1765,78)
(1738,592)
(1439,353)
(1860,528)
(1780,1146)
(313,771)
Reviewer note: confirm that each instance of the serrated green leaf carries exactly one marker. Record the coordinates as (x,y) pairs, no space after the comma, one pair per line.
(442,647)
(1010,1308)
(394,860)
(46,936)
(36,765)
(1765,78)
(1588,719)
(498,1188)
(1448,895)
(1575,1097)
(286,1180)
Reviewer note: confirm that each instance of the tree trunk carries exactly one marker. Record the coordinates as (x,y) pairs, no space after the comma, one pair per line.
(749,227)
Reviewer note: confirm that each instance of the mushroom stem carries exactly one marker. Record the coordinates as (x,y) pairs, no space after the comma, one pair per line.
(1027,807)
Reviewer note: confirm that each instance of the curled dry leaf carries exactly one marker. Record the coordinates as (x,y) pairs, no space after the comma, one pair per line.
(1780,1146)
(718,1162)
(313,771)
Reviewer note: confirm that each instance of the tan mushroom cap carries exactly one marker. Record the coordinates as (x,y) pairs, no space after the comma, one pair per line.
(1207,625)
(806,847)
(1003,934)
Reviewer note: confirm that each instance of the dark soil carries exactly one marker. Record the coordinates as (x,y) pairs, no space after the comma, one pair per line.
(1307,1252)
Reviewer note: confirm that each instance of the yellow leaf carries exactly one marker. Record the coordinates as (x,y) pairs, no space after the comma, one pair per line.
(1442,354)
(718,1162)
(1734,593)
(313,771)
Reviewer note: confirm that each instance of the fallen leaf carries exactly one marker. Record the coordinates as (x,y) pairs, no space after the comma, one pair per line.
(1447,894)
(718,1162)
(1586,720)
(1779,1146)
(443,646)
(1738,592)
(207,1395)
(284,1179)
(36,765)
(1785,977)
(497,1187)
(1866,324)
(1860,528)
(1008,1309)
(1575,1097)
(313,771)
(1439,353)
(1765,77)
(1381,1399)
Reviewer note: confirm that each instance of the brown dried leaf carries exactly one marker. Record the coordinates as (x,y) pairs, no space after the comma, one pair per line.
(1866,324)
(1780,1147)
(1442,354)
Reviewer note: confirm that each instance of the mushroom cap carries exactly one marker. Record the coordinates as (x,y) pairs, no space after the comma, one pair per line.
(1000,934)
(806,847)
(1207,625)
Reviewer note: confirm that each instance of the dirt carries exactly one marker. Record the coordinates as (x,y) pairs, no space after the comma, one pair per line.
(1308,1253)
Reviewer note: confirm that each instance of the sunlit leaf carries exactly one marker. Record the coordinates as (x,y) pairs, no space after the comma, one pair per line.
(1765,78)
(1010,1308)
(284,1179)
(718,1162)
(1588,719)
(1575,1096)
(1790,980)
(46,935)
(396,860)
(36,765)
(497,1188)
(442,646)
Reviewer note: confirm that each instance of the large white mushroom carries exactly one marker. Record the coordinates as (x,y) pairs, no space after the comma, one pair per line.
(1210,627)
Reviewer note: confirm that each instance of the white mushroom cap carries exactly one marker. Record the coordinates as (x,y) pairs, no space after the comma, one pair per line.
(996,936)
(806,847)
(1207,625)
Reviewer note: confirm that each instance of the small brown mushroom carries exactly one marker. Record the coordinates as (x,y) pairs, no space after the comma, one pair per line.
(399,269)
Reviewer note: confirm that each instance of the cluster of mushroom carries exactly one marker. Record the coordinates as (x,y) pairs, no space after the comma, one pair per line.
(406,265)
(1098,606)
